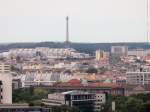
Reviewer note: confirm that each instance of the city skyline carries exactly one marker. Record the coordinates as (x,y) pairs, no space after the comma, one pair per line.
(90,21)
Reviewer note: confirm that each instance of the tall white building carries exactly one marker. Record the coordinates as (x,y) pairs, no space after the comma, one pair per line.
(138,77)
(5,84)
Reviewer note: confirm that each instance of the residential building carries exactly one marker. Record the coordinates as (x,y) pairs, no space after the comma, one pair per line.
(137,52)
(5,84)
(138,77)
(51,53)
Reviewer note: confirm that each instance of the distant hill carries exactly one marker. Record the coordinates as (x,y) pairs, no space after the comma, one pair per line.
(81,47)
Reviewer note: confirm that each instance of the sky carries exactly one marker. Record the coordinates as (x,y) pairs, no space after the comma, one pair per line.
(89,20)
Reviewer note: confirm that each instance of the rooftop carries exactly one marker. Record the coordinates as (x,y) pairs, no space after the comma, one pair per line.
(75,92)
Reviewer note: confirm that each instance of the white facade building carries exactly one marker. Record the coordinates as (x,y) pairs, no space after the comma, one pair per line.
(6,84)
(86,102)
(51,53)
(138,77)
(137,52)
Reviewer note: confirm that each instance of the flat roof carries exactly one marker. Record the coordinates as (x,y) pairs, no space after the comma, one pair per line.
(17,106)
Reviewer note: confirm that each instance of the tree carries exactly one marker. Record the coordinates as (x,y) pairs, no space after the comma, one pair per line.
(133,104)
(64,108)
(56,109)
(145,107)
(75,109)
(40,92)
(92,70)
(29,95)
(120,103)
(106,107)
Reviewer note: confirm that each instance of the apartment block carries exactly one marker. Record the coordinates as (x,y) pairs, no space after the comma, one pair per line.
(5,84)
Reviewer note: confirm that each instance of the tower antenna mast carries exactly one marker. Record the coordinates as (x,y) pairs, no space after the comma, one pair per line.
(67,32)
(147,23)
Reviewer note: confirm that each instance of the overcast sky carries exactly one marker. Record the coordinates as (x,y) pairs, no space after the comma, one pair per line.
(90,20)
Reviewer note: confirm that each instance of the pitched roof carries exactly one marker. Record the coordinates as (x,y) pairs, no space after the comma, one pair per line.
(74,81)
(139,88)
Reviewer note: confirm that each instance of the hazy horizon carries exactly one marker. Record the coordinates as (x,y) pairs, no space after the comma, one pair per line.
(74,42)
(93,21)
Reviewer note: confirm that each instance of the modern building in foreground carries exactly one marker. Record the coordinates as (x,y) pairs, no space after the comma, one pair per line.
(113,89)
(5,84)
(22,108)
(86,102)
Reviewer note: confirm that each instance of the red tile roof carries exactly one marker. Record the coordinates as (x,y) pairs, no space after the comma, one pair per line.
(74,81)
(111,85)
(94,85)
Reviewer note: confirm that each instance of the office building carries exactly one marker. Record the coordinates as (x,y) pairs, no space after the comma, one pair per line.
(86,102)
(119,50)
(5,84)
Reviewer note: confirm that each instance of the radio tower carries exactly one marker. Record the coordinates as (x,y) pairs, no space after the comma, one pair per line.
(147,22)
(67,33)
